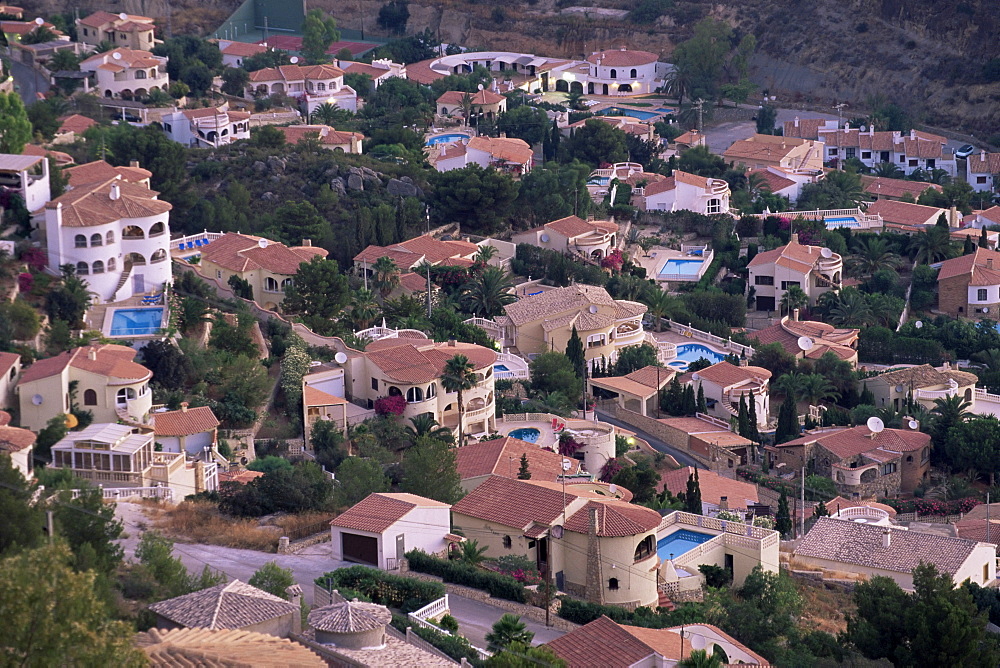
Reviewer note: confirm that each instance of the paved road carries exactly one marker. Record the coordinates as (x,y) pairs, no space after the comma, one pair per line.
(682,457)
(28,81)
(475,619)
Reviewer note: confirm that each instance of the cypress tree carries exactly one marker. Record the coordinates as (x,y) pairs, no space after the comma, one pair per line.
(821,510)
(523,473)
(674,397)
(969,246)
(867,398)
(753,435)
(702,404)
(692,500)
(574,351)
(984,241)
(743,419)
(783,520)
(689,404)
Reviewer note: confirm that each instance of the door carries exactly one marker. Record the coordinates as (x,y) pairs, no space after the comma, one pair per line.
(138,284)
(765,303)
(363,549)
(542,555)
(400,546)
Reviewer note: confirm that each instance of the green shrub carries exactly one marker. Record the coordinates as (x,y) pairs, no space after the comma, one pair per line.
(496,584)
(581,612)
(383,588)
(449,623)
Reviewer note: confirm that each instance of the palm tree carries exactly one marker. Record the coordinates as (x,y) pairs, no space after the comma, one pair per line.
(678,82)
(194,311)
(385,276)
(931,245)
(789,384)
(794,297)
(425,425)
(557,403)
(851,310)
(991,358)
(888,170)
(939,176)
(952,409)
(815,388)
(507,630)
(326,113)
(487,294)
(472,554)
(884,311)
(628,286)
(459,377)
(659,304)
(485,254)
(466,105)
(872,254)
(700,658)
(574,100)
(364,309)
(756,184)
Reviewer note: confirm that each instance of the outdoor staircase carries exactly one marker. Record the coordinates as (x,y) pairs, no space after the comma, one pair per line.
(121,282)
(665,602)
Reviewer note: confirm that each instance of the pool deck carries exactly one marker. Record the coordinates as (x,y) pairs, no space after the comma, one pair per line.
(657,258)
(546,438)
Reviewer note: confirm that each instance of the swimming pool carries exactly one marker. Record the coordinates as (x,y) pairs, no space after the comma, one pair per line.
(529,434)
(599,181)
(680,542)
(842,221)
(500,367)
(136,321)
(665,110)
(634,113)
(689,352)
(446,139)
(682,267)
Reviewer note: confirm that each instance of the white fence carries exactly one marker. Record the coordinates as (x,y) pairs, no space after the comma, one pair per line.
(122,493)
(728,344)
(436,609)
(517,367)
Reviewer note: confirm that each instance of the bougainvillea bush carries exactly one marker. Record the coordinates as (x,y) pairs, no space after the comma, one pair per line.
(932,507)
(394,405)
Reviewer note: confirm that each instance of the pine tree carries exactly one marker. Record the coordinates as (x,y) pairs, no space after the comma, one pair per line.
(821,510)
(689,404)
(673,400)
(692,499)
(702,404)
(867,398)
(743,419)
(523,473)
(969,246)
(788,422)
(783,520)
(574,351)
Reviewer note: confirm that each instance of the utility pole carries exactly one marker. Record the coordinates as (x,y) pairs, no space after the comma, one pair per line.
(802,509)
(840,112)
(699,105)
(427,215)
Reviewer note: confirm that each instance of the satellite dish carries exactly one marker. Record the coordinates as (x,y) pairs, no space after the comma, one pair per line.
(826,252)
(480,86)
(913,424)
(262,243)
(613,488)
(695,376)
(116,55)
(340,358)
(918,324)
(875,425)
(698,642)
(123,16)
(544,238)
(899,388)
(39,21)
(566,464)
(37,399)
(294,59)
(805,343)
(986,309)
(593,308)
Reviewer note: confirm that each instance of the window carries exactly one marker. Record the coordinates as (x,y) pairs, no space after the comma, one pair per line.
(596,340)
(98,267)
(321,86)
(714,206)
(109,237)
(889,468)
(218,274)
(85,33)
(414,394)
(156,229)
(614,74)
(981,294)
(159,255)
(634,73)
(82,269)
(89,398)
(96,240)
(763,280)
(431,390)
(851,152)
(111,264)
(285,284)
(270,284)
(866,155)
(787,284)
(833,151)
(507,542)
(80,241)
(375,384)
(644,548)
(613,584)
(913,163)
(980,179)
(931,164)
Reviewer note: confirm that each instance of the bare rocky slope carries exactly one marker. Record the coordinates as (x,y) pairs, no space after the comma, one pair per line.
(926,55)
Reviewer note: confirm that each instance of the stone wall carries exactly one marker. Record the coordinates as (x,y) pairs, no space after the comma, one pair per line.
(682,441)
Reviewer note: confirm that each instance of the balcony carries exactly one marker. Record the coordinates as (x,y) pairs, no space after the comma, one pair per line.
(629,334)
(119,477)
(845,475)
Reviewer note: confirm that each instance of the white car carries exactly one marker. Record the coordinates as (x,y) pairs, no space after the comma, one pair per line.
(965,151)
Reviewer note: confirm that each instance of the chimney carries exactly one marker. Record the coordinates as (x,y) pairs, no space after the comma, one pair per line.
(295,598)
(913,134)
(451,342)
(133,163)
(847,126)
(724,503)
(307,243)
(796,121)
(795,315)
(871,130)
(116,191)
(886,538)
(795,238)
(982,155)
(92,354)
(989,263)
(184,406)
(953,216)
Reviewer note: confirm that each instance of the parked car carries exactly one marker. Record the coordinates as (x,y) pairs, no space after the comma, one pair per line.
(965,151)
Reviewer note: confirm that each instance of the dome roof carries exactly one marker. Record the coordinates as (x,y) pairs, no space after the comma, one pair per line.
(349,617)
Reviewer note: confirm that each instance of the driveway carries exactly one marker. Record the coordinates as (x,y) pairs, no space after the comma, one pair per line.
(28,81)
(683,458)
(475,619)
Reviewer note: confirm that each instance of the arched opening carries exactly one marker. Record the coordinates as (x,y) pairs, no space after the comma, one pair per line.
(262,89)
(96,240)
(140,74)
(80,241)
(108,93)
(159,255)
(285,284)
(124,395)
(444,111)
(644,548)
(613,584)
(277,88)
(89,398)
(133,232)
(395,391)
(270,284)
(562,86)
(109,238)
(597,254)
(475,404)
(604,89)
(577,87)
(98,267)
(414,394)
(157,229)
(321,86)
(507,542)
(141,93)
(633,73)
(82,269)
(968,394)
(614,74)
(136,258)
(111,264)
(869,475)
(432,390)
(590,88)
(625,88)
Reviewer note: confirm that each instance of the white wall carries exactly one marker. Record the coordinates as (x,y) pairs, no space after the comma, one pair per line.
(423,528)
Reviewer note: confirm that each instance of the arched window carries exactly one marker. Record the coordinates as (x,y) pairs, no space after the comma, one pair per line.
(633,74)
(140,74)
(89,398)
(395,391)
(159,255)
(321,86)
(133,232)
(614,74)
(613,582)
(111,264)
(714,206)
(80,241)
(124,394)
(909,459)
(109,238)
(270,284)
(414,394)
(137,258)
(285,284)
(968,394)
(98,267)
(157,228)
(82,269)
(507,542)
(96,240)
(644,548)
(432,390)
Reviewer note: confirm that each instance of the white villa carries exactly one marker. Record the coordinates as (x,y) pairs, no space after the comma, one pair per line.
(127,73)
(815,270)
(206,128)
(312,85)
(593,238)
(115,233)
(27,176)
(725,384)
(684,191)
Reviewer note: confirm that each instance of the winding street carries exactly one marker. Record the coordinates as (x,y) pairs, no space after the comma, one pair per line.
(682,457)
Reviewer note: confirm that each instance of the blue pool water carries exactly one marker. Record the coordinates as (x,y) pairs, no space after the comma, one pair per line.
(682,267)
(665,110)
(680,542)
(446,139)
(136,321)
(599,181)
(689,352)
(634,113)
(500,367)
(529,434)
(842,221)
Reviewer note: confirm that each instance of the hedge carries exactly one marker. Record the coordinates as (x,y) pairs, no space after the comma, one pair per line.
(454,646)
(581,612)
(932,507)
(496,584)
(393,591)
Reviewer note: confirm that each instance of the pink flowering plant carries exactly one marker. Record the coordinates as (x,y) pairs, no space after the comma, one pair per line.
(394,405)
(610,468)
(933,507)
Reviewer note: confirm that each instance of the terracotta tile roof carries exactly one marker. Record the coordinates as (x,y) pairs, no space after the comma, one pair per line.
(62,159)
(507,149)
(420,360)
(14,439)
(826,338)
(979,531)
(242,477)
(614,518)
(407,253)
(109,360)
(491,501)
(350,617)
(792,255)
(75,123)
(738,494)
(92,204)
(660,187)
(363,68)
(24,27)
(726,374)
(502,456)
(861,545)
(881,186)
(99,18)
(838,503)
(377,512)
(975,266)
(128,58)
(984,163)
(297,73)
(323,133)
(242,252)
(422,73)
(243,49)
(773,182)
(184,422)
(7,360)
(622,58)
(600,644)
(653,377)
(182,648)
(226,606)
(479,98)
(808,128)
(314,397)
(692,179)
(850,442)
(413,282)
(924,376)
(99,170)
(904,213)
(557,302)
(570,226)
(627,309)
(763,147)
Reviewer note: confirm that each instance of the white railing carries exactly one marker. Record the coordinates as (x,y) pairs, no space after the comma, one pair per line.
(861,512)
(935,394)
(176,244)
(477,412)
(489,326)
(715,524)
(436,609)
(119,493)
(728,344)
(518,367)
(377,333)
(694,555)
(983,395)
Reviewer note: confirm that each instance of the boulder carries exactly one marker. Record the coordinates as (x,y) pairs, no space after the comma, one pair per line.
(401,188)
(355,182)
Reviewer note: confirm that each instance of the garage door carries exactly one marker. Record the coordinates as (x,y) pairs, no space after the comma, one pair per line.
(359,548)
